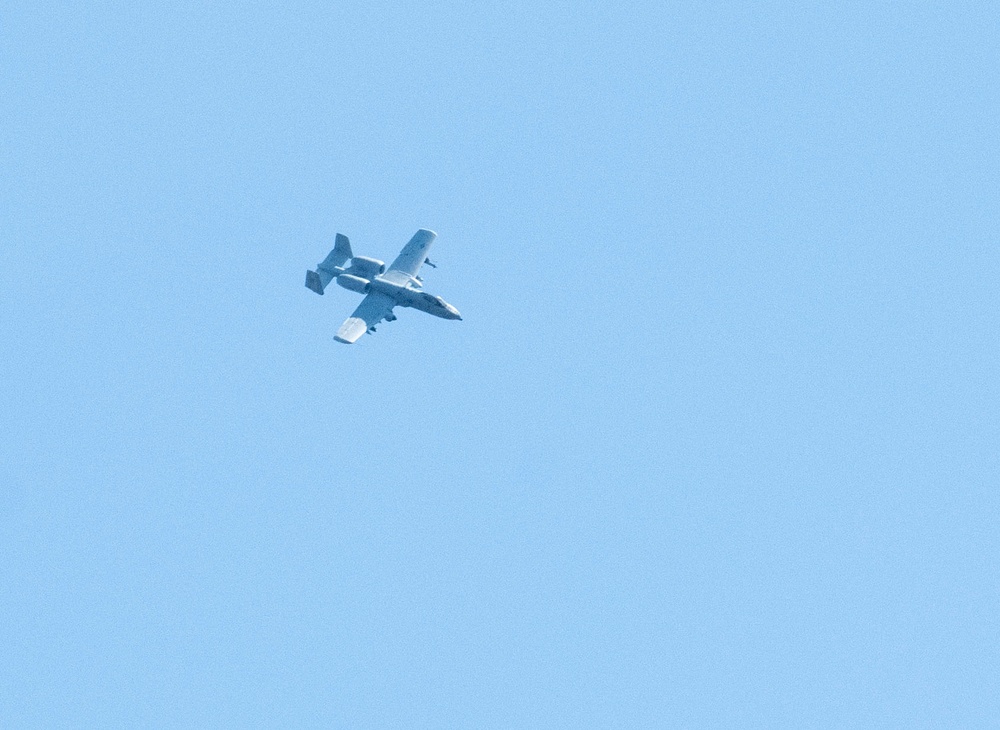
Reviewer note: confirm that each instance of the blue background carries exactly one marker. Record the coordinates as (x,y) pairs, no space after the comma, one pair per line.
(715,445)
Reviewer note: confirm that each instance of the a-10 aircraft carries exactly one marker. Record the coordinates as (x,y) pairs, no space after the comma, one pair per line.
(400,286)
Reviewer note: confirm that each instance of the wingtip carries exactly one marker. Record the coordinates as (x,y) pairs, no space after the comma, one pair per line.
(351,330)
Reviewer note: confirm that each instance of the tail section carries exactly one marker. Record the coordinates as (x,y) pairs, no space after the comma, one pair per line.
(332,266)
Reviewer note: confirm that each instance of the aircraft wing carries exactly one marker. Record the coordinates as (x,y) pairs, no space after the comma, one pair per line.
(413,255)
(372,310)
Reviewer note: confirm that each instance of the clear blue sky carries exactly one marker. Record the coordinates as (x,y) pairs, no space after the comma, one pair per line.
(715,445)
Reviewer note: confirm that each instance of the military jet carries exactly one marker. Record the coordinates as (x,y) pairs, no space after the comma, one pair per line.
(400,286)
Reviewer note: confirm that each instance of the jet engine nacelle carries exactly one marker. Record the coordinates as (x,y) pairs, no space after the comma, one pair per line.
(366,268)
(354,283)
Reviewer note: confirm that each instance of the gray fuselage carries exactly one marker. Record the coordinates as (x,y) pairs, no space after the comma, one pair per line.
(402,288)
(408,295)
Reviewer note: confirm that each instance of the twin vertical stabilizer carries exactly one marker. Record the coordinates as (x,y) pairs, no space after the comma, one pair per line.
(332,266)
